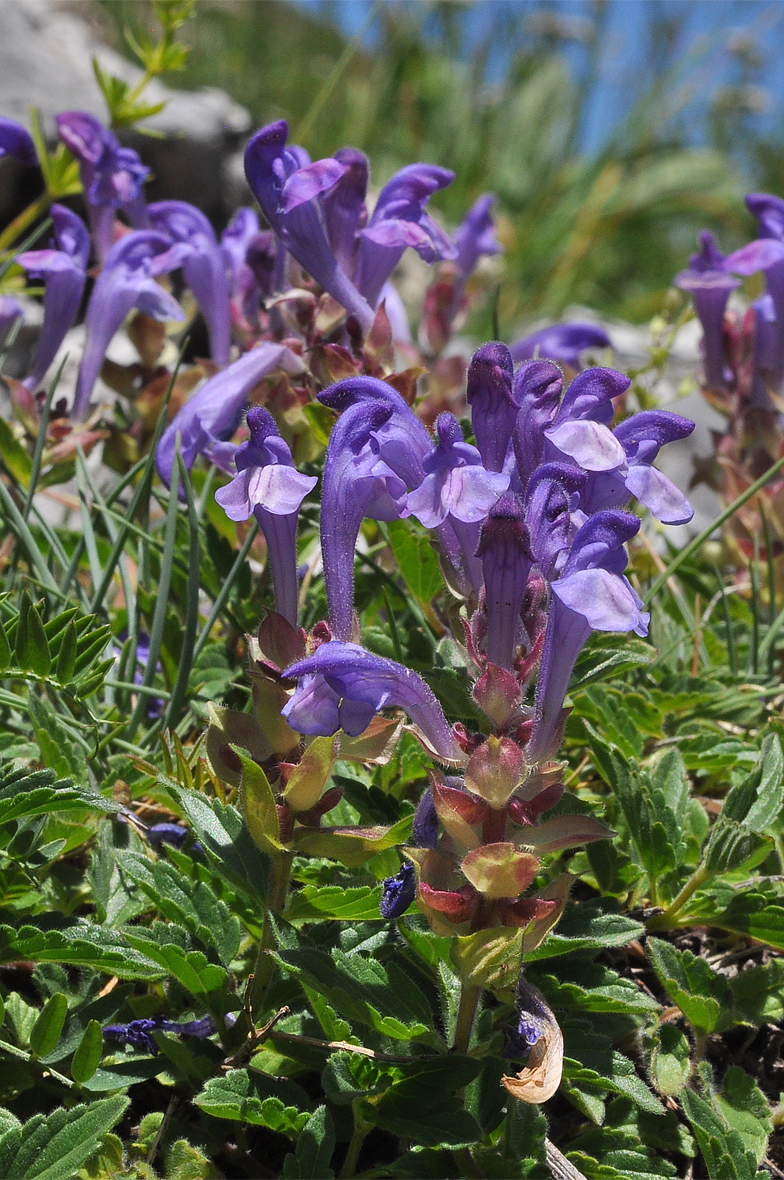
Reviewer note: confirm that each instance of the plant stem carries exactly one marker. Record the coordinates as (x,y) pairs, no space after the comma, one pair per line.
(276,902)
(468,1166)
(665,920)
(24,219)
(469,998)
(355,1146)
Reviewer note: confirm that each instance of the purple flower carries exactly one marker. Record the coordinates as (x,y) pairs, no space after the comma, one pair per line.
(215,410)
(345,212)
(287,188)
(455,484)
(474,237)
(493,406)
(203,265)
(236,238)
(766,254)
(269,486)
(400,220)
(112,176)
(139,1032)
(710,287)
(538,386)
(398,892)
(10,312)
(504,548)
(458,488)
(563,343)
(580,430)
(64,272)
(641,436)
(591,595)
(126,281)
(343,686)
(425,829)
(16,142)
(552,496)
(374,456)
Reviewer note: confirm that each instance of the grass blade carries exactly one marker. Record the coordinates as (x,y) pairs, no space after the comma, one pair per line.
(40,441)
(192,604)
(225,589)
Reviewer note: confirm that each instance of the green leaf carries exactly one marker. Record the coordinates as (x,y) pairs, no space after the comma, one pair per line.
(746,1110)
(758,993)
(81,946)
(725,1154)
(314,1149)
(88,1055)
(416,560)
(5,649)
(699,991)
(365,990)
(598,990)
(669,1064)
(189,967)
(66,656)
(601,661)
(754,914)
(223,832)
(751,807)
(588,925)
(258,806)
(252,1097)
(351,846)
(324,902)
(46,1031)
(53,1146)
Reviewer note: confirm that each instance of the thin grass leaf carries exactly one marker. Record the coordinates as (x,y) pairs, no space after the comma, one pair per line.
(192,603)
(40,442)
(87,525)
(732,650)
(755,611)
(21,531)
(107,514)
(159,614)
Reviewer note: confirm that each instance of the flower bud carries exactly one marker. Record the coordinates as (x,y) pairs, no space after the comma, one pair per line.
(499,870)
(494,770)
(498,695)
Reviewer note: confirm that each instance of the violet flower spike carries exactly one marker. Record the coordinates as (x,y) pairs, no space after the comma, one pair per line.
(214,412)
(343,686)
(64,271)
(710,287)
(126,281)
(562,343)
(269,486)
(203,265)
(506,563)
(112,176)
(288,191)
(493,407)
(400,220)
(17,142)
(591,595)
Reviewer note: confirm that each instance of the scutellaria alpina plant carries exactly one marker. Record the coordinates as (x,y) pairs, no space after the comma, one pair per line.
(349,610)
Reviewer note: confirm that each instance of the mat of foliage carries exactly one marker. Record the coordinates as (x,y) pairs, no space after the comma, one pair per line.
(665,967)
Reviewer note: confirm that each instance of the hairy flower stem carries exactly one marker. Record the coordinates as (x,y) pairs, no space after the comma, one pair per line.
(666,920)
(466,1013)
(264,966)
(355,1146)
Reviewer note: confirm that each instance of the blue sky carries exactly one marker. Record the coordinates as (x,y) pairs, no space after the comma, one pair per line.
(715,36)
